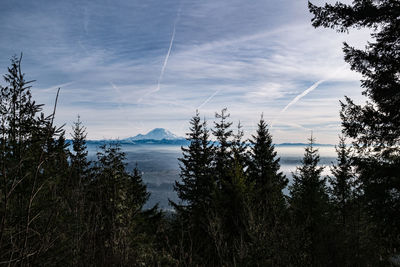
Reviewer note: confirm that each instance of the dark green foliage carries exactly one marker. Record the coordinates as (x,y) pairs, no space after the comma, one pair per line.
(119,231)
(79,162)
(238,218)
(196,190)
(56,208)
(223,152)
(113,209)
(74,194)
(197,185)
(264,169)
(342,182)
(232,217)
(33,163)
(347,217)
(268,201)
(239,147)
(377,123)
(137,191)
(375,126)
(232,194)
(309,207)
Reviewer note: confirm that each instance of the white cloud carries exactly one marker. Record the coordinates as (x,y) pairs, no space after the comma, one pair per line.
(218,56)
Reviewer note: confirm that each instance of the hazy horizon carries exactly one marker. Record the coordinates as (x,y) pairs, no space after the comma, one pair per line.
(177,137)
(159,166)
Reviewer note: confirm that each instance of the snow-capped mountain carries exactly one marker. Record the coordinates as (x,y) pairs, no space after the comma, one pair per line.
(155,134)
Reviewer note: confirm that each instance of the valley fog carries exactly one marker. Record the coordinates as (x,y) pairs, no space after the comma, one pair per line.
(159,166)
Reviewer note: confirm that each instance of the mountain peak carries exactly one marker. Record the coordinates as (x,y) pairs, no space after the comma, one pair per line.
(155,134)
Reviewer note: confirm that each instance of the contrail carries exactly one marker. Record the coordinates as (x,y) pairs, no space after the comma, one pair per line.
(166,58)
(208,99)
(305,92)
(178,16)
(202,104)
(164,66)
(297,98)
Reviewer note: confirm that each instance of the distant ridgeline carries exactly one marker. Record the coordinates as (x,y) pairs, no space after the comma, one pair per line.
(178,142)
(160,136)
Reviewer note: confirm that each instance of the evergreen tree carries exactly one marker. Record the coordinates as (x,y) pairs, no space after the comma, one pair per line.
(196,188)
(375,126)
(197,182)
(268,201)
(56,173)
(233,207)
(309,208)
(342,181)
(56,210)
(111,211)
(229,215)
(233,194)
(345,213)
(144,247)
(239,147)
(122,232)
(223,150)
(75,194)
(79,161)
(137,192)
(264,169)
(32,162)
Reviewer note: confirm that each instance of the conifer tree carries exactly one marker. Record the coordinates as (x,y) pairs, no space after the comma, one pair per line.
(79,161)
(54,210)
(56,174)
(75,193)
(309,208)
(122,231)
(375,126)
(196,188)
(197,182)
(345,213)
(223,150)
(239,147)
(234,210)
(233,194)
(229,215)
(32,163)
(342,181)
(264,169)
(111,210)
(226,202)
(137,192)
(268,201)
(143,225)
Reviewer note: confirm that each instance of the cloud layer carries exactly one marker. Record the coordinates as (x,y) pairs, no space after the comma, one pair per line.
(129,66)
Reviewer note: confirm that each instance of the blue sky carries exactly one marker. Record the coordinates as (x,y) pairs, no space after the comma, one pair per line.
(130,66)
